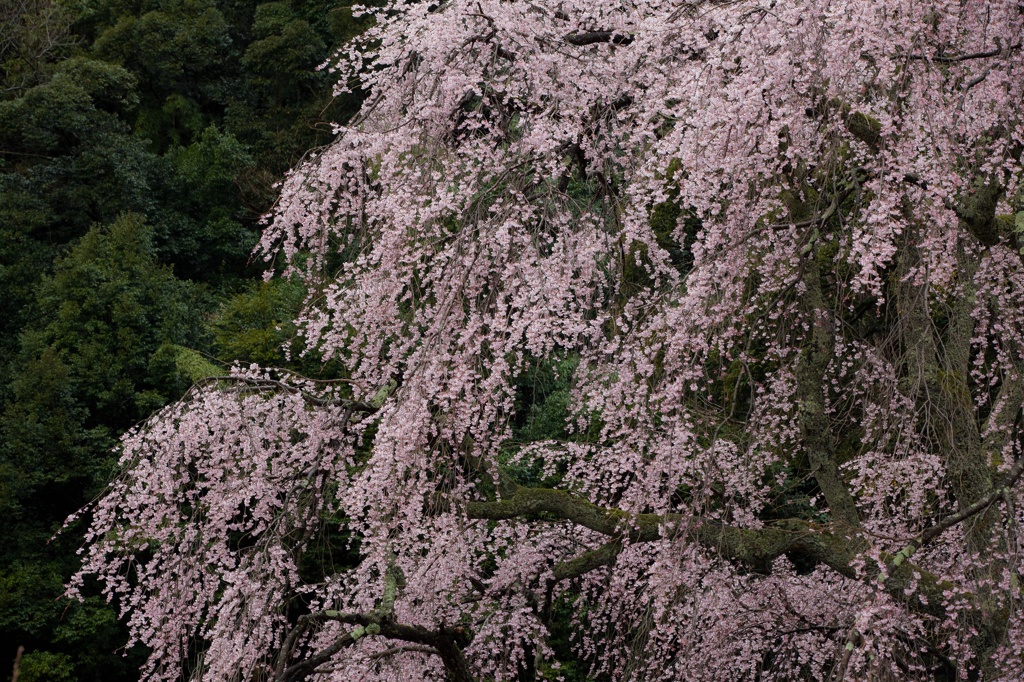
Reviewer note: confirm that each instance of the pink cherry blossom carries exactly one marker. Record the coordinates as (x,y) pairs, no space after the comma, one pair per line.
(794,434)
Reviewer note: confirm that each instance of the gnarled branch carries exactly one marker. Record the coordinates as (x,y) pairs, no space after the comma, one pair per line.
(755,548)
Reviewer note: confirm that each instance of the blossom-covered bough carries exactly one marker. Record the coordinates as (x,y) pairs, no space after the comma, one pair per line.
(771,248)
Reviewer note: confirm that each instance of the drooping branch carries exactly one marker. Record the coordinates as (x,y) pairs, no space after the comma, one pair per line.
(590,560)
(441,642)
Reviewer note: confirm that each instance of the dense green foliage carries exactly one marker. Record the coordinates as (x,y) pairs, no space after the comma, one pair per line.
(139,144)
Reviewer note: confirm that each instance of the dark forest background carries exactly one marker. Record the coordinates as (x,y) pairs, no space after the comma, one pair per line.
(140,141)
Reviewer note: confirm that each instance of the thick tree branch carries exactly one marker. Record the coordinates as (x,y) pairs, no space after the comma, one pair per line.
(810,387)
(368,623)
(1005,409)
(755,548)
(865,128)
(587,562)
(933,532)
(406,648)
(443,642)
(977,210)
(953,58)
(309,398)
(594,37)
(380,621)
(936,366)
(304,668)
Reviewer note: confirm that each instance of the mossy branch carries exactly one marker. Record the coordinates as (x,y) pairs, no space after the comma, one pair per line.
(755,548)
